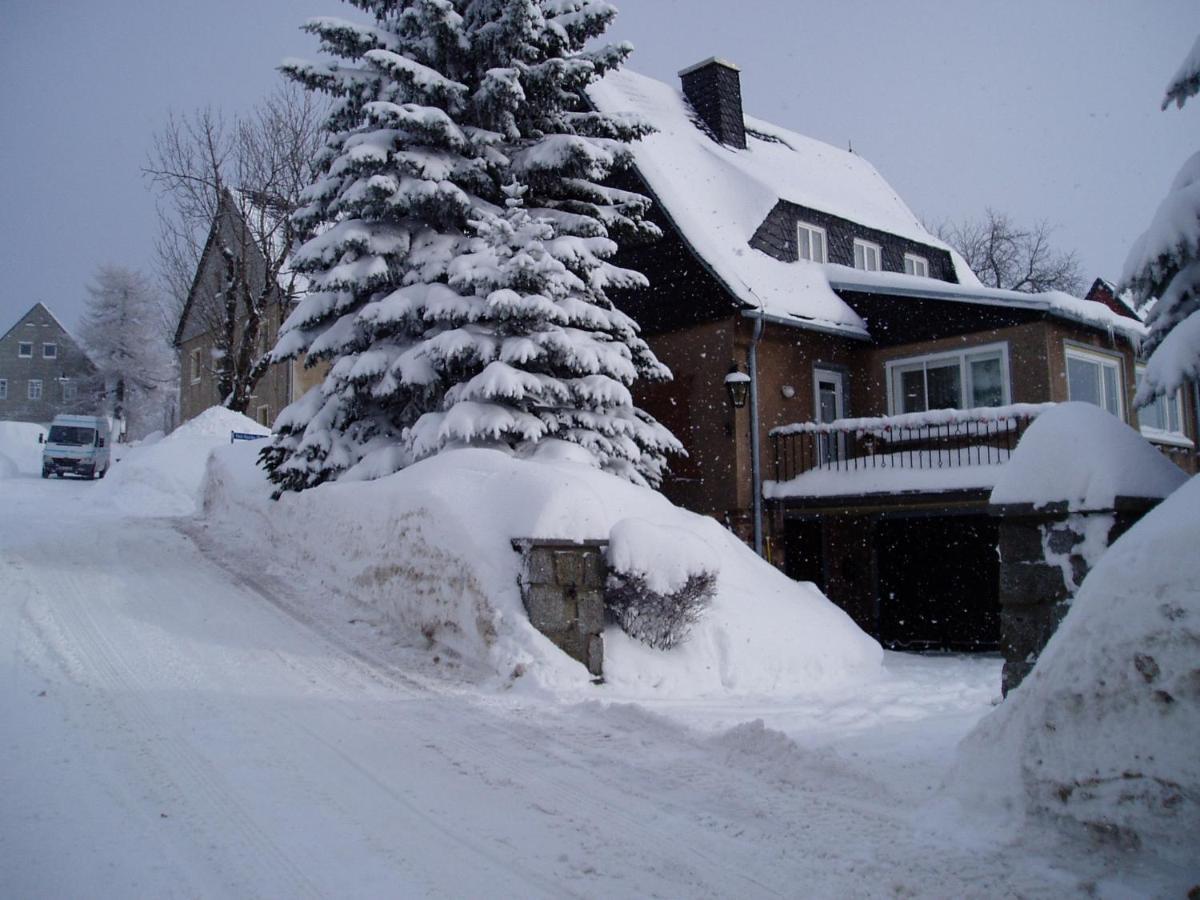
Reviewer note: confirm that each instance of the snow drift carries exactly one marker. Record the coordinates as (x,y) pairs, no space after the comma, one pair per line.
(1102,734)
(20,452)
(426,554)
(163,477)
(1086,456)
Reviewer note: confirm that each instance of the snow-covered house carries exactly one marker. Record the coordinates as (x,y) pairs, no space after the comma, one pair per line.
(241,227)
(44,371)
(791,268)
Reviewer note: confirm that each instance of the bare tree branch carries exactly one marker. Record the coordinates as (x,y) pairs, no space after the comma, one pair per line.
(1004,255)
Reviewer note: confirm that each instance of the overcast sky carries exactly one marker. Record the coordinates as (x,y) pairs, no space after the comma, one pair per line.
(1045,110)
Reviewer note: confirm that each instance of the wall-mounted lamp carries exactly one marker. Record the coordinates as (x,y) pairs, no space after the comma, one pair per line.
(737,383)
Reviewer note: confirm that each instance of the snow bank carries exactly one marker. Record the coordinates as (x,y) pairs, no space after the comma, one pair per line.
(19,448)
(427,552)
(1079,453)
(1102,734)
(163,477)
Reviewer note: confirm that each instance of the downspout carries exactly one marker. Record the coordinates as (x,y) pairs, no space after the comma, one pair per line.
(755,466)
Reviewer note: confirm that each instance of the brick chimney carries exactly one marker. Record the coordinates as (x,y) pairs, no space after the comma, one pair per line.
(714,88)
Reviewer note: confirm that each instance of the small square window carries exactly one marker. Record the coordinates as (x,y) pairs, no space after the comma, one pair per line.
(25,349)
(49,351)
(866,256)
(35,389)
(916,265)
(3,388)
(810,242)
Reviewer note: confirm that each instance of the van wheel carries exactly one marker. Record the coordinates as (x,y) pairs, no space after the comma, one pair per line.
(45,472)
(103,472)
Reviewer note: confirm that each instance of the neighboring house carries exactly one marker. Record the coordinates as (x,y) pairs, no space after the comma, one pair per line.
(791,267)
(44,371)
(203,318)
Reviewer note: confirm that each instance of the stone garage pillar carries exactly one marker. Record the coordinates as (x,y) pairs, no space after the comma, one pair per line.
(562,586)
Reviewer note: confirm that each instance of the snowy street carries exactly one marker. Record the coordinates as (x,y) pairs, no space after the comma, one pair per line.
(172,728)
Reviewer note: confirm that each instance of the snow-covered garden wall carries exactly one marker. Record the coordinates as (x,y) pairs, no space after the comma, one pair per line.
(426,554)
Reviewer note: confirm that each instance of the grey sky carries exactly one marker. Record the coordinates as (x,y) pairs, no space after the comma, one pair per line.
(1041,109)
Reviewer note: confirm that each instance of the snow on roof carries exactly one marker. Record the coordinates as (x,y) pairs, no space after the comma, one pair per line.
(717,197)
(1055,303)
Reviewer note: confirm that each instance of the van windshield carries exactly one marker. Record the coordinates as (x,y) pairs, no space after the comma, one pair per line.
(72,436)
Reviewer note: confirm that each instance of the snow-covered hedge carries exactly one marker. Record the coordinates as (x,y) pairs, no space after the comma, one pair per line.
(1102,735)
(19,446)
(426,554)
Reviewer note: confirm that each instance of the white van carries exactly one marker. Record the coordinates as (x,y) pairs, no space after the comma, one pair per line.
(77,445)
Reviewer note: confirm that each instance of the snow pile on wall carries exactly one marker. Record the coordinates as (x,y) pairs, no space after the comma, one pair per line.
(1103,732)
(428,551)
(163,477)
(20,452)
(1079,453)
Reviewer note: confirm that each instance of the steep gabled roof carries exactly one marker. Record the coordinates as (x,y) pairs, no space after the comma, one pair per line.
(45,309)
(717,197)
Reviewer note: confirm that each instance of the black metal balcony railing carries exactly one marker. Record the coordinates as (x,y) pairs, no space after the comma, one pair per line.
(939,439)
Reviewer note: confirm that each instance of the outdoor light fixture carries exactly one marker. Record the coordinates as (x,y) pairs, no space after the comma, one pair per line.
(737,383)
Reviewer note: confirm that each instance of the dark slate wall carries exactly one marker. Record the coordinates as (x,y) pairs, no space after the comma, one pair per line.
(715,92)
(776,236)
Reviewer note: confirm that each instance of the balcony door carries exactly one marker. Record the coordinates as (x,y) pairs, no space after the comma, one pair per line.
(829,389)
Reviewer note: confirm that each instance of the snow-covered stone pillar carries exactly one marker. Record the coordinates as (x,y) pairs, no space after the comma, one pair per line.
(562,585)
(1078,479)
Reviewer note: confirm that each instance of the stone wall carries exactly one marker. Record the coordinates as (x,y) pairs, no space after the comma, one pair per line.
(1044,556)
(562,585)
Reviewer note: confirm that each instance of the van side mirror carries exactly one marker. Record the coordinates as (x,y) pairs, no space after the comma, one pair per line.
(41,438)
(99,441)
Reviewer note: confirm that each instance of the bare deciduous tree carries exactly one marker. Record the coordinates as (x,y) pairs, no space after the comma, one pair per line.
(1004,255)
(231,185)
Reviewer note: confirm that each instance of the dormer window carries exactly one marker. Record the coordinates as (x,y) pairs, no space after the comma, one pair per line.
(811,242)
(866,256)
(916,265)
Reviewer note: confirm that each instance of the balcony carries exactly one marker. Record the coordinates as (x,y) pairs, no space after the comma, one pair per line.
(946,449)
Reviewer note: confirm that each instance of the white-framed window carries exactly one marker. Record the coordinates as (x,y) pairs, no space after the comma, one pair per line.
(866,255)
(3,388)
(916,265)
(25,349)
(1163,417)
(70,389)
(194,357)
(1095,377)
(264,415)
(49,351)
(34,391)
(811,242)
(962,379)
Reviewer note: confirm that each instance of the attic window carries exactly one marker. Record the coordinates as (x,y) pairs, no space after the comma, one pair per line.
(810,242)
(916,265)
(866,256)
(25,349)
(49,351)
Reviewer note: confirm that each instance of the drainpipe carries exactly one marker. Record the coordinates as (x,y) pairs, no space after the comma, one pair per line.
(755,467)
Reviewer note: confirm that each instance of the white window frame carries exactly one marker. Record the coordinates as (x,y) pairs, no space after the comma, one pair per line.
(1097,357)
(868,246)
(965,357)
(194,356)
(263,415)
(33,389)
(801,228)
(70,390)
(1168,404)
(21,353)
(3,388)
(915,262)
(52,347)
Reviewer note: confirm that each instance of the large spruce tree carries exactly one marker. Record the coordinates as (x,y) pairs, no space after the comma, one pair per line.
(457,241)
(1163,267)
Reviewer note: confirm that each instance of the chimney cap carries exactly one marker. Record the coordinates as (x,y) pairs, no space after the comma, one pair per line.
(711,61)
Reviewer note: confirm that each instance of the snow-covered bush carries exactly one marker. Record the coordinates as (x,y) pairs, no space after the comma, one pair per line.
(660,581)
(1101,736)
